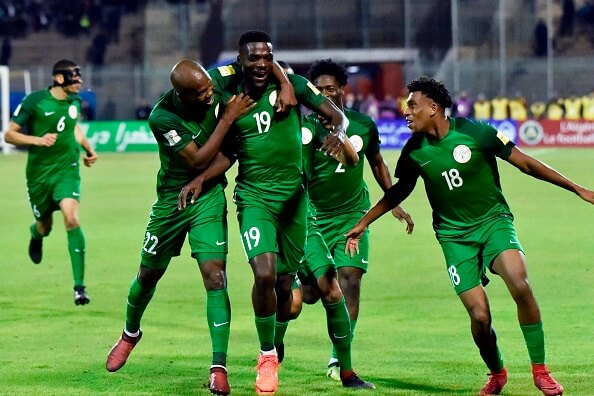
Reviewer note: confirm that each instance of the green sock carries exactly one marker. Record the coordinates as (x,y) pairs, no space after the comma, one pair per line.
(279,332)
(334,355)
(339,330)
(265,328)
(76,248)
(34,233)
(534,337)
(218,315)
(138,298)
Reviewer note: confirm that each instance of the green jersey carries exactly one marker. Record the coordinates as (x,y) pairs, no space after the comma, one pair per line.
(460,174)
(269,143)
(174,131)
(333,187)
(40,113)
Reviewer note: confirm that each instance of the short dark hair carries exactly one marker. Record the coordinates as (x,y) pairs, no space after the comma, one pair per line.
(62,65)
(254,36)
(434,90)
(328,67)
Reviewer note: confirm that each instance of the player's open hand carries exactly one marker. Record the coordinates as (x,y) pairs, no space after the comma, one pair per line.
(194,188)
(237,106)
(586,195)
(286,99)
(403,215)
(47,140)
(90,158)
(353,236)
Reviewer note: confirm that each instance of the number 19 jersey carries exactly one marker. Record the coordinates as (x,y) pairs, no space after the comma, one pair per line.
(460,174)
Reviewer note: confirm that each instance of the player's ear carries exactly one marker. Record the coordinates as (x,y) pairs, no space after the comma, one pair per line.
(59,78)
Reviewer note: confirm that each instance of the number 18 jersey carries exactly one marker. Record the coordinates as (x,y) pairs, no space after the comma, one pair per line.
(460,174)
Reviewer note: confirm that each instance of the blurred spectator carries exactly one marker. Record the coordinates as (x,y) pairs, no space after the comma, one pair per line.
(96,52)
(573,108)
(567,18)
(6,51)
(537,109)
(212,40)
(352,101)
(388,108)
(499,106)
(462,105)
(541,33)
(401,101)
(518,108)
(370,106)
(86,111)
(588,107)
(143,109)
(481,108)
(554,109)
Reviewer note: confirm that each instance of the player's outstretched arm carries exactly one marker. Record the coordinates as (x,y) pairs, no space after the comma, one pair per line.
(539,170)
(337,125)
(14,135)
(90,155)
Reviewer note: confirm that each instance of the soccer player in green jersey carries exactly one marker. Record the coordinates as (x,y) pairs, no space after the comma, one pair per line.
(340,196)
(189,125)
(47,122)
(269,193)
(456,157)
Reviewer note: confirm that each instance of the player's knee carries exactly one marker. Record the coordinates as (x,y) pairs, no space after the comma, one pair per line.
(310,295)
(480,317)
(71,222)
(149,276)
(264,279)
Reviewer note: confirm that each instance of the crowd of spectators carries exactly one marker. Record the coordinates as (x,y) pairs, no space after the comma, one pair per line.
(482,108)
(97,18)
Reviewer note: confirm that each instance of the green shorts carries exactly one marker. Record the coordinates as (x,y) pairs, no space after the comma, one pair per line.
(468,257)
(205,223)
(333,228)
(267,226)
(318,259)
(45,195)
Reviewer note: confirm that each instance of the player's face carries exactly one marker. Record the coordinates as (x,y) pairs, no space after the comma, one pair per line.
(201,94)
(419,112)
(329,86)
(76,79)
(256,62)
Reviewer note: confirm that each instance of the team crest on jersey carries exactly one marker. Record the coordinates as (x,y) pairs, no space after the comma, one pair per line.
(462,154)
(306,135)
(357,142)
(73,112)
(272,98)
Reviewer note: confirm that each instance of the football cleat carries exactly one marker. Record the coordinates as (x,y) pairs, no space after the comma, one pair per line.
(120,351)
(218,382)
(495,383)
(36,250)
(80,296)
(352,380)
(333,371)
(545,382)
(267,378)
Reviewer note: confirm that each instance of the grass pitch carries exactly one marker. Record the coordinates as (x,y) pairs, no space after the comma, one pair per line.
(412,336)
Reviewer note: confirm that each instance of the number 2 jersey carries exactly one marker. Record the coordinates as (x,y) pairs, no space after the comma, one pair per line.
(333,187)
(39,114)
(269,143)
(460,174)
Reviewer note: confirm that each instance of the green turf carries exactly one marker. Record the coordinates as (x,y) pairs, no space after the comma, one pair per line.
(412,335)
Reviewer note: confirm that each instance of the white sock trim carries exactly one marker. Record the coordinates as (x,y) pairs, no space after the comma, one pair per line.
(218,366)
(272,352)
(134,335)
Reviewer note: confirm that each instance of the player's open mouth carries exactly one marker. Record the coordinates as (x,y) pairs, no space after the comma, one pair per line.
(260,77)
